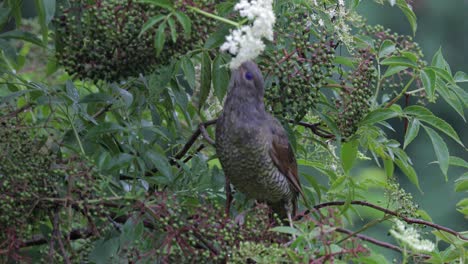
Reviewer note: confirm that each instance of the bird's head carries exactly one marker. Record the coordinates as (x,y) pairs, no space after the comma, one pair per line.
(248,79)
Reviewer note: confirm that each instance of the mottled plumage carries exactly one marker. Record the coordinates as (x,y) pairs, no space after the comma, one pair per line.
(253,147)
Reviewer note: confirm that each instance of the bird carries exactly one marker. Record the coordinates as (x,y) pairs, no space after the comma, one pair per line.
(253,147)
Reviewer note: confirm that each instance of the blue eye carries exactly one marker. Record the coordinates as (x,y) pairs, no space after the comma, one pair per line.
(249,76)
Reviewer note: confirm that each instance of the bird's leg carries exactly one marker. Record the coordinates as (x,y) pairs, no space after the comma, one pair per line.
(227,188)
(291,224)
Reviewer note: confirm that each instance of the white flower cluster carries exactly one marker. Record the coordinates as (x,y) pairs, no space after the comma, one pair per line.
(246,42)
(411,237)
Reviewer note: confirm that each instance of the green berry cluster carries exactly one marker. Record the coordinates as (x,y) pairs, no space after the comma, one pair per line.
(34,181)
(404,47)
(356,91)
(101,40)
(26,176)
(296,66)
(205,232)
(401,200)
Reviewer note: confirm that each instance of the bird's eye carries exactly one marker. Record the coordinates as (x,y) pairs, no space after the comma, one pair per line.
(249,76)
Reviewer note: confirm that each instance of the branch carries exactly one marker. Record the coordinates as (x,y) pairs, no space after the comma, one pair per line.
(314,127)
(193,138)
(408,220)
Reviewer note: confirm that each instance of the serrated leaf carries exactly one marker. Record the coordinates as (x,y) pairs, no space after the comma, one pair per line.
(461,184)
(349,154)
(442,73)
(4,15)
(460,77)
(393,70)
(286,230)
(451,98)
(220,77)
(428,78)
(428,117)
(104,128)
(205,80)
(346,61)
(189,71)
(185,21)
(98,98)
(389,167)
(440,148)
(439,61)
(379,115)
(412,132)
(459,162)
(399,61)
(409,171)
(161,162)
(22,35)
(173,29)
(150,23)
(217,38)
(386,48)
(160,38)
(408,11)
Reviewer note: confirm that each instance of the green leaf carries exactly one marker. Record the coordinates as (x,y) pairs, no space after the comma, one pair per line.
(173,29)
(22,35)
(185,21)
(442,73)
(427,116)
(346,61)
(456,161)
(389,167)
(408,11)
(15,6)
(189,71)
(461,184)
(452,98)
(205,82)
(441,150)
(160,38)
(150,23)
(439,61)
(161,162)
(104,128)
(412,132)
(386,48)
(394,69)
(286,230)
(220,77)
(408,170)
(399,61)
(98,98)
(428,78)
(4,15)
(217,38)
(349,154)
(460,77)
(379,115)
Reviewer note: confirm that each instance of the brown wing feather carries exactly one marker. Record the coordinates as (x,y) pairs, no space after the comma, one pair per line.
(283,157)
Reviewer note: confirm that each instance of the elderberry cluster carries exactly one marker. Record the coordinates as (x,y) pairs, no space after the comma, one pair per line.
(355,94)
(297,67)
(102,40)
(404,47)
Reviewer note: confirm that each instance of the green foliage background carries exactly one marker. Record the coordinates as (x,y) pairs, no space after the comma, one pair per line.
(127,195)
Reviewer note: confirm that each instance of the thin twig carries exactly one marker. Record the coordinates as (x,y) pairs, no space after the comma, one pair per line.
(205,134)
(408,220)
(376,242)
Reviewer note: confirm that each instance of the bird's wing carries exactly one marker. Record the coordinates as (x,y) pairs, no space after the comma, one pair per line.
(283,156)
